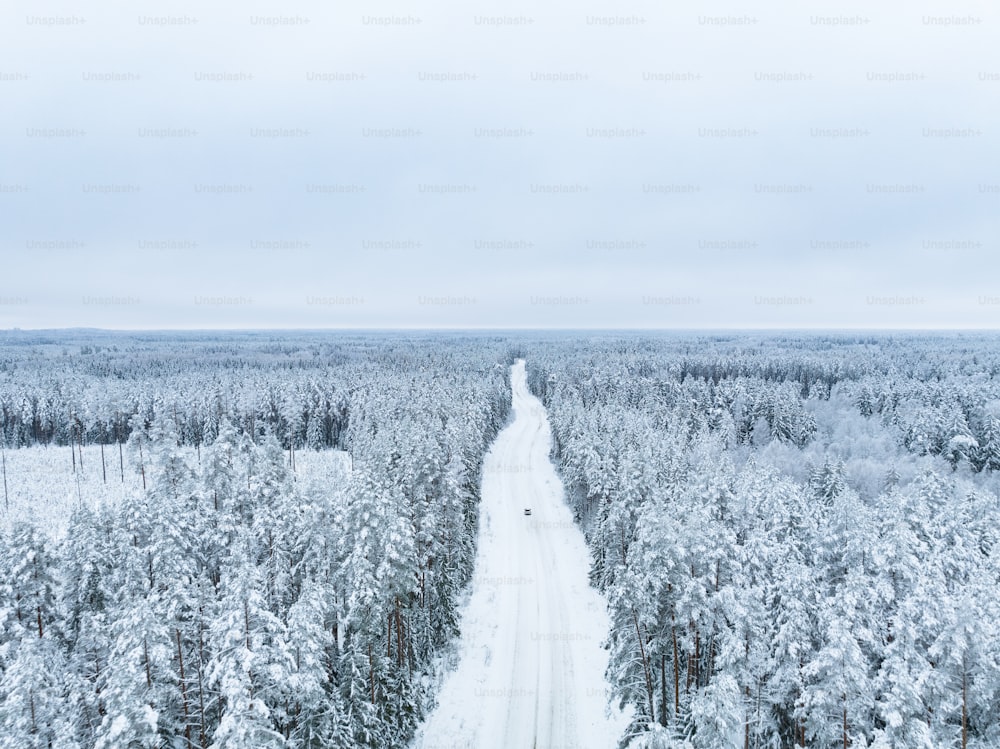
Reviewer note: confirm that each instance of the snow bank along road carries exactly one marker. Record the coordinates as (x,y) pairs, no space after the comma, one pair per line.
(531,668)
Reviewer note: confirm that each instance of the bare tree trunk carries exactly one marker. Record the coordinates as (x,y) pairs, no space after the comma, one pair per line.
(97,683)
(142,465)
(746,725)
(3,456)
(965,706)
(746,654)
(677,674)
(845,721)
(202,738)
(801,727)
(371,671)
(690,667)
(697,659)
(645,665)
(423,585)
(663,690)
(104,467)
(184,698)
(409,647)
(757,742)
(399,636)
(246,623)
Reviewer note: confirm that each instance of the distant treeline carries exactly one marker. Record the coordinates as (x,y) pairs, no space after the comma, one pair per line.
(68,389)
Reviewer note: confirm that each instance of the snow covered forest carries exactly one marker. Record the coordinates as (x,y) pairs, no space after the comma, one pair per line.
(796,535)
(224,602)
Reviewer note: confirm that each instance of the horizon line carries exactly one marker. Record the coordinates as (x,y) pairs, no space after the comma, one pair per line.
(515,329)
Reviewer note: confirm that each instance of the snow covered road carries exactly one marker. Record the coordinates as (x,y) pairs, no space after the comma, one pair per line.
(531,667)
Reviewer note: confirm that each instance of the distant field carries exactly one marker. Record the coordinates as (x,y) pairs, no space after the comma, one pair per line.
(44,486)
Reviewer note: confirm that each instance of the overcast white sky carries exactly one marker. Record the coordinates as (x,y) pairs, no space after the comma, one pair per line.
(499,165)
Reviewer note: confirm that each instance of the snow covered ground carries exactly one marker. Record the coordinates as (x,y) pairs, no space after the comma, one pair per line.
(531,667)
(44,489)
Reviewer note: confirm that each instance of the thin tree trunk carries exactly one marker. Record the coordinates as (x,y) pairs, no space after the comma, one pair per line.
(677,674)
(801,727)
(746,725)
(690,667)
(121,460)
(845,721)
(965,706)
(746,654)
(202,739)
(96,682)
(710,666)
(399,636)
(371,672)
(697,659)
(184,698)
(757,722)
(142,465)
(104,467)
(145,657)
(409,648)
(645,665)
(663,690)
(3,456)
